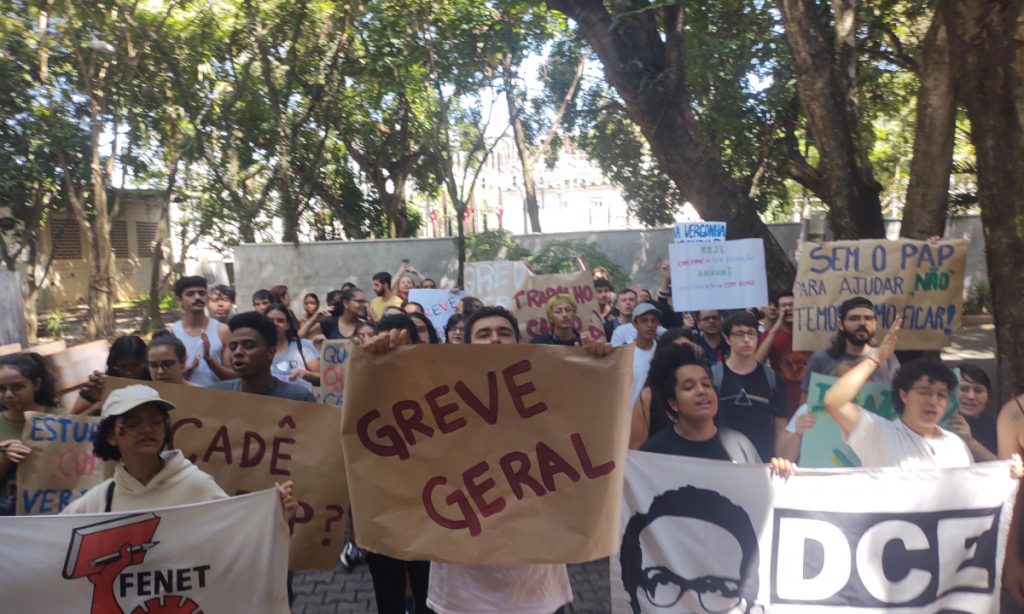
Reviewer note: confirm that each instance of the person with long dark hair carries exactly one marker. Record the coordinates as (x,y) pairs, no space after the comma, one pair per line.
(166,358)
(25,385)
(455,329)
(425,330)
(649,411)
(296,360)
(127,359)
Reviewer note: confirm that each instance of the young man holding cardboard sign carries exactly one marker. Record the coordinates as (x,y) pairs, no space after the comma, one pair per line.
(526,588)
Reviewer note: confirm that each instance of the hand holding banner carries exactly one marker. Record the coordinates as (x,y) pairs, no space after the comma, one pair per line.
(538,460)
(247,442)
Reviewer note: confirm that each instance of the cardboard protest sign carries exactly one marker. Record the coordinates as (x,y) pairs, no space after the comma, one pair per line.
(725,275)
(713,536)
(823,445)
(334,357)
(61,465)
(248,442)
(438,305)
(219,557)
(495,282)
(699,232)
(915,280)
(495,454)
(530,301)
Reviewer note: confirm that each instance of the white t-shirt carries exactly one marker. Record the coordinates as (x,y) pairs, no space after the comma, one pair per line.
(498,589)
(626,333)
(641,365)
(890,443)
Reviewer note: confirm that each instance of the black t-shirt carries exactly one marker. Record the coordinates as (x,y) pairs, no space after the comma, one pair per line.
(748,404)
(668,441)
(329,328)
(984,430)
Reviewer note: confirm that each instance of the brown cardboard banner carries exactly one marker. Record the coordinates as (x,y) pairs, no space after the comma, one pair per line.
(916,280)
(248,442)
(61,465)
(490,454)
(531,297)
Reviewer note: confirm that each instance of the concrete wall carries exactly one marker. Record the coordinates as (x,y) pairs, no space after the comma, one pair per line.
(320,267)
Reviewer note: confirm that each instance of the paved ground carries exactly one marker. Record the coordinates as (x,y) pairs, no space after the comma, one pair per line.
(335,592)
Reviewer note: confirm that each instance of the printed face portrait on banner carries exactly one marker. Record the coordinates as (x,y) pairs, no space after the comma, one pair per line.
(690,519)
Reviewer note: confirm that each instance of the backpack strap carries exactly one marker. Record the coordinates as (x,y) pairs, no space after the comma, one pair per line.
(109,497)
(770,374)
(717,375)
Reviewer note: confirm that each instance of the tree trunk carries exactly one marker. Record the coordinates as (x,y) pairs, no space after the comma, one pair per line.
(988,64)
(649,76)
(825,77)
(97,234)
(525,155)
(924,214)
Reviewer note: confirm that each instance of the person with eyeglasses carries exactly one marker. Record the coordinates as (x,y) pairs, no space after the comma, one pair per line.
(455,329)
(716,347)
(751,396)
(920,395)
(702,520)
(352,307)
(166,357)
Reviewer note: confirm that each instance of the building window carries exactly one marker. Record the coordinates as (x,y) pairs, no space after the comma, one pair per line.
(66,240)
(145,233)
(119,239)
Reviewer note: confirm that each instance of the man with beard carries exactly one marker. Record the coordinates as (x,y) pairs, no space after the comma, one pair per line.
(776,346)
(205,339)
(251,348)
(385,297)
(853,343)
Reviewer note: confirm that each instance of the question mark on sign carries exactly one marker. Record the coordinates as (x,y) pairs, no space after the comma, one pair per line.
(327,525)
(301,516)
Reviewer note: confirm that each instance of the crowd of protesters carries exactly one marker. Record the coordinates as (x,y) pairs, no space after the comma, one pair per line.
(709,384)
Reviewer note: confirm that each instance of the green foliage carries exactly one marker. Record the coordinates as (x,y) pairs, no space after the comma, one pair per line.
(54,326)
(560,256)
(979,298)
(494,245)
(167,301)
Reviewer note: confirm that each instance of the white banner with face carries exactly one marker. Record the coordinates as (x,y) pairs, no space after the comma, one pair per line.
(708,536)
(222,557)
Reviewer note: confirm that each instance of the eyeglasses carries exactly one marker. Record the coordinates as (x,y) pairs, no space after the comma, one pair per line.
(664,589)
(928,393)
(135,425)
(746,334)
(457,330)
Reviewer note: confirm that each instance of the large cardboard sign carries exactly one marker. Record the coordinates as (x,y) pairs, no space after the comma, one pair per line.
(916,280)
(712,536)
(723,275)
(333,365)
(438,305)
(495,282)
(530,306)
(248,442)
(220,557)
(496,454)
(61,465)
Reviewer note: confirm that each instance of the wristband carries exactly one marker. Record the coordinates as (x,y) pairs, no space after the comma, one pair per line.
(874,360)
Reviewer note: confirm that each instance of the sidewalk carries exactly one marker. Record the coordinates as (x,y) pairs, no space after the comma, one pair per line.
(336,592)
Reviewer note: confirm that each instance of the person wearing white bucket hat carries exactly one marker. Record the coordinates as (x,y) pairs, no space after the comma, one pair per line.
(134,429)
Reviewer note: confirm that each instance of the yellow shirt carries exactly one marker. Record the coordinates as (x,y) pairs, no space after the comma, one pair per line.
(378,305)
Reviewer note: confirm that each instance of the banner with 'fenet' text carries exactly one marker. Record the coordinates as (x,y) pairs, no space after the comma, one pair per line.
(494,454)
